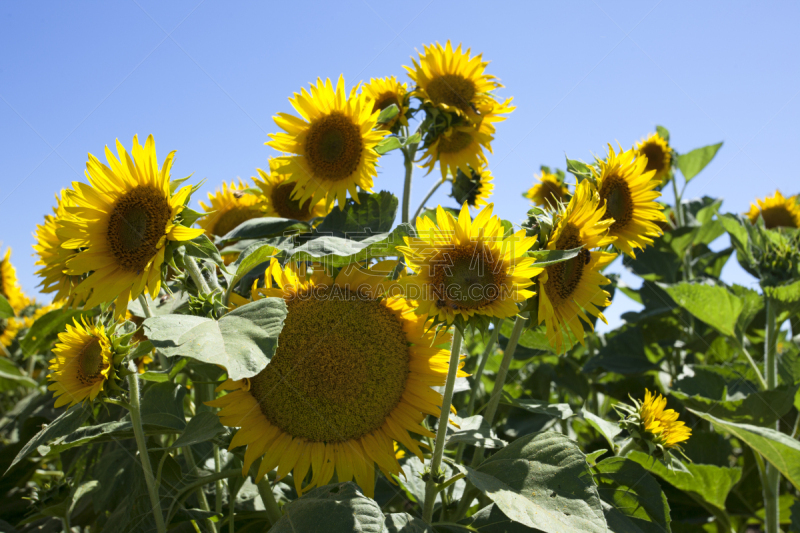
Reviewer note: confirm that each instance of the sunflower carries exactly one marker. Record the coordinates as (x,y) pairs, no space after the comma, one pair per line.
(383,92)
(627,192)
(474,188)
(569,289)
(465,267)
(277,191)
(334,143)
(82,363)
(659,156)
(352,373)
(453,81)
(228,208)
(53,257)
(549,192)
(458,147)
(662,424)
(9,286)
(8,331)
(776,211)
(122,220)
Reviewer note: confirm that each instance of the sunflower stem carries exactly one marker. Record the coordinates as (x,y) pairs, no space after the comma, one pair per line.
(441,431)
(428,196)
(772,485)
(270,505)
(138,432)
(201,496)
(197,276)
(500,381)
(148,313)
(218,486)
(408,160)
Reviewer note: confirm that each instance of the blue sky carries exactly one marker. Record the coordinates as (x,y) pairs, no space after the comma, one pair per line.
(205,78)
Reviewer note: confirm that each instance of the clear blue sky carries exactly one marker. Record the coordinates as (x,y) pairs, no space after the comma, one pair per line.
(206,77)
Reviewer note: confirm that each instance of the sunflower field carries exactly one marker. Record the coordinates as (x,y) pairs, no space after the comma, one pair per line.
(288,358)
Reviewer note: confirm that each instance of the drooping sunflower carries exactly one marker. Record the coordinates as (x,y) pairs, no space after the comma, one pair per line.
(776,211)
(659,156)
(474,187)
(334,143)
(122,220)
(458,147)
(228,208)
(465,267)
(277,191)
(627,192)
(53,257)
(568,290)
(549,192)
(82,363)
(9,286)
(383,92)
(353,372)
(662,424)
(455,82)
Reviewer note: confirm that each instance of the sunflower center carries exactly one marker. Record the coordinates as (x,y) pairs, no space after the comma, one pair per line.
(778,216)
(551,193)
(563,278)
(467,277)
(136,226)
(452,90)
(334,147)
(339,370)
(91,360)
(455,142)
(231,219)
(619,203)
(286,207)
(384,101)
(656,157)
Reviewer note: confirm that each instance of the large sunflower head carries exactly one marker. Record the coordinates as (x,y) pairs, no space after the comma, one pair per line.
(659,156)
(549,192)
(352,373)
(453,81)
(458,147)
(121,221)
(228,208)
(776,211)
(473,187)
(82,364)
(467,267)
(9,286)
(278,197)
(53,257)
(568,290)
(383,92)
(628,194)
(333,143)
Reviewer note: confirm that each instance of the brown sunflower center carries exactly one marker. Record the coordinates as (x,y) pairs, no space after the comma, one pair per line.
(551,193)
(778,216)
(657,158)
(136,226)
(91,360)
(619,203)
(385,100)
(286,207)
(234,216)
(452,90)
(467,277)
(339,370)
(563,278)
(455,142)
(334,146)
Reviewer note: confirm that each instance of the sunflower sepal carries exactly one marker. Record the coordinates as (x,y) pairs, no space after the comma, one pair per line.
(579,169)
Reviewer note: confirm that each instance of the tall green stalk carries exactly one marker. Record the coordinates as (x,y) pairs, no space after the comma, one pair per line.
(270,505)
(197,276)
(500,381)
(138,433)
(431,488)
(772,485)
(476,383)
(408,161)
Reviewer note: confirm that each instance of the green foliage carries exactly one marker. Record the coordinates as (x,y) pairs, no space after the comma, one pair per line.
(333,508)
(695,161)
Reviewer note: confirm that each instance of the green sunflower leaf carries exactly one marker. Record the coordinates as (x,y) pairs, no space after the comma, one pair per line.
(262,228)
(6,311)
(693,162)
(551,257)
(202,248)
(243,341)
(579,169)
(336,508)
(713,304)
(388,144)
(663,132)
(565,500)
(405,523)
(372,213)
(388,114)
(609,430)
(202,427)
